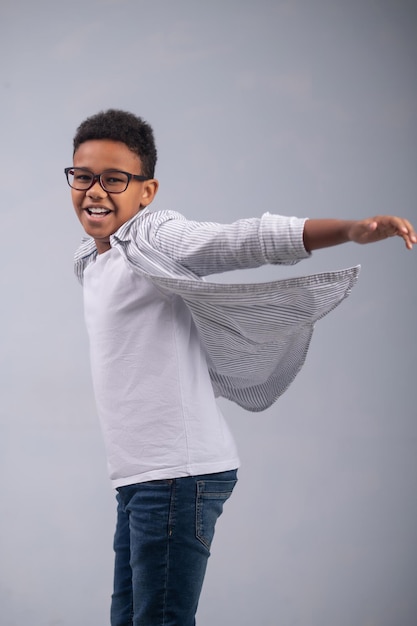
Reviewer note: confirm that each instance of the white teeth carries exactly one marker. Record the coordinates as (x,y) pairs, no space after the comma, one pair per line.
(98,210)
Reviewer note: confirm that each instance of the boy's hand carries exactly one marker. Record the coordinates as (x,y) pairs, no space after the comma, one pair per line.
(381,227)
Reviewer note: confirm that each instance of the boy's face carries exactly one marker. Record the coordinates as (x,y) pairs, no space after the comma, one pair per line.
(99,155)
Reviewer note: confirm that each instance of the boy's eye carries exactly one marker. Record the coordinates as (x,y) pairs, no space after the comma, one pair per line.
(114,179)
(82,177)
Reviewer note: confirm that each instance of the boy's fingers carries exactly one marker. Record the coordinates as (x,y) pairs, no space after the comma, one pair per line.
(390,226)
(408,234)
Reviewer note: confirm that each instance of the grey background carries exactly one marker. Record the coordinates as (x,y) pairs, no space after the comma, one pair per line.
(298,107)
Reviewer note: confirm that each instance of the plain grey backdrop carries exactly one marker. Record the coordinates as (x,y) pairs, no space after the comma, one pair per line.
(300,107)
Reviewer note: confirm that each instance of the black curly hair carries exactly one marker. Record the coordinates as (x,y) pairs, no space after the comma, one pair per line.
(121,126)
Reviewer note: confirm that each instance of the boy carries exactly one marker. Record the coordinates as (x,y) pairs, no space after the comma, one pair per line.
(164,343)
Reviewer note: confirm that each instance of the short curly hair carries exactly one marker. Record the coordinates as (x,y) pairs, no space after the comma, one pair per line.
(123,126)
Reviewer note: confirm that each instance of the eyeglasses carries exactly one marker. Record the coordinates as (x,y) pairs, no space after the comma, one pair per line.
(112,181)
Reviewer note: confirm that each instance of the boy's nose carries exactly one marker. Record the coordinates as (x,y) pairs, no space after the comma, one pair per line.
(96,191)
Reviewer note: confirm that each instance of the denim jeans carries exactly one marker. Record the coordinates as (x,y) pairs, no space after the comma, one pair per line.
(162,542)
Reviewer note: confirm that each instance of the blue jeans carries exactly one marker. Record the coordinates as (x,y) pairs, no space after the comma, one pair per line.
(162,542)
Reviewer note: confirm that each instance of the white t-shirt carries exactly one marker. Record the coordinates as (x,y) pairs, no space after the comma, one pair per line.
(153,391)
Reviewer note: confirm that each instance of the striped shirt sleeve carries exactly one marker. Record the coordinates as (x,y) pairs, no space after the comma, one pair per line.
(209,248)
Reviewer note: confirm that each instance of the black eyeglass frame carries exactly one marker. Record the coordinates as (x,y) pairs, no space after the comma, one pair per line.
(97,178)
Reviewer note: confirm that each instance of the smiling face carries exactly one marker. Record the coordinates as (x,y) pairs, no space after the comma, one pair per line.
(100,213)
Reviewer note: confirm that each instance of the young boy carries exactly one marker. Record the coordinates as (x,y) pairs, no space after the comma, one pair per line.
(164,343)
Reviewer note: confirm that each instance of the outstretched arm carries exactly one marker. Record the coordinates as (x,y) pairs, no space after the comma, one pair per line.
(323,233)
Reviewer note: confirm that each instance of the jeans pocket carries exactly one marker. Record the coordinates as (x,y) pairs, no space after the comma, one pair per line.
(211,496)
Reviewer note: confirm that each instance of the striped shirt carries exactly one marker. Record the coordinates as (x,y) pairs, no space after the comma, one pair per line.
(256,336)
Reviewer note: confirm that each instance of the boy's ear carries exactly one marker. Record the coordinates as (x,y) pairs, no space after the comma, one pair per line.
(150,187)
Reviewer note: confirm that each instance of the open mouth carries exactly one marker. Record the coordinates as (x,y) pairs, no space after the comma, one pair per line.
(97,211)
